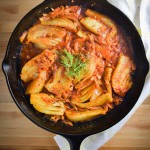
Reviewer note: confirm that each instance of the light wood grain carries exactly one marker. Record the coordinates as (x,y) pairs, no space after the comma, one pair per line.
(19,133)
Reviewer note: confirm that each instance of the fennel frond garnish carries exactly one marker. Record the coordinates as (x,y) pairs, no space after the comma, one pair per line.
(73,64)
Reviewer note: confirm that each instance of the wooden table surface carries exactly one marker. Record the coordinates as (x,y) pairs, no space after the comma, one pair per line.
(19,133)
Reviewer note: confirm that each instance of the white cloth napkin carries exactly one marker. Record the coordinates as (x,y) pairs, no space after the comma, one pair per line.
(138,12)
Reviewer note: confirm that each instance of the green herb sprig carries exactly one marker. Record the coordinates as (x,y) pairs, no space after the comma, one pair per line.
(73,64)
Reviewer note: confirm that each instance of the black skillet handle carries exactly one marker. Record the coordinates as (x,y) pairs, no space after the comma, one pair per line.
(75,141)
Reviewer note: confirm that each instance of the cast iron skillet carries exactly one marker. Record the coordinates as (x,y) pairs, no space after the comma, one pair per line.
(75,134)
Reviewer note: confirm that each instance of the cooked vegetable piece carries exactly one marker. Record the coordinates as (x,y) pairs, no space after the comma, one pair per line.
(90,68)
(37,84)
(22,38)
(86,93)
(107,78)
(61,84)
(97,92)
(60,22)
(93,25)
(29,71)
(42,61)
(45,36)
(79,86)
(82,34)
(87,89)
(106,20)
(43,43)
(47,104)
(121,78)
(79,116)
(99,101)
(87,96)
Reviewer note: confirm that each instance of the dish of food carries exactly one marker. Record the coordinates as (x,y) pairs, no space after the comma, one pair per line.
(76,64)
